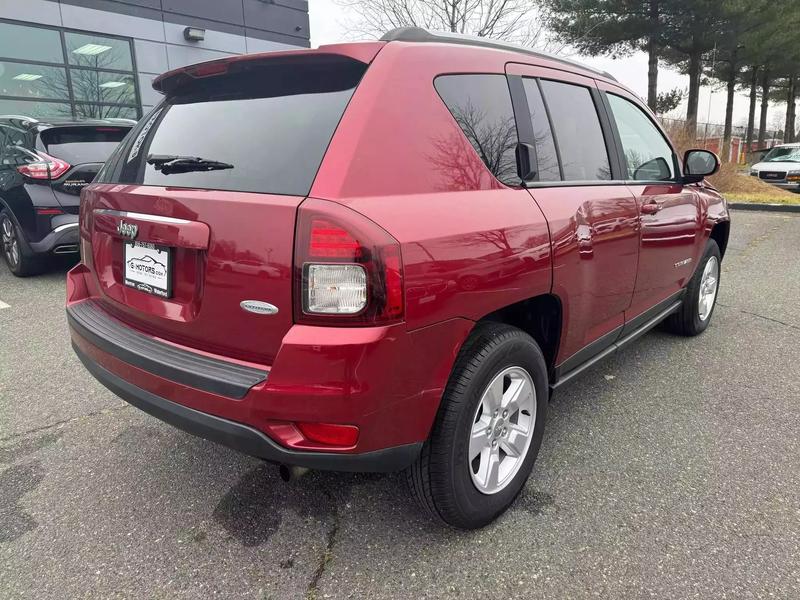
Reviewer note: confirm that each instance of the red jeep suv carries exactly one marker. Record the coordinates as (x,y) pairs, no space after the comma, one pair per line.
(386,255)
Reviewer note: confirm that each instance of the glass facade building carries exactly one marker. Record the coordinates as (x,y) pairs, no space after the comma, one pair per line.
(52,72)
(83,59)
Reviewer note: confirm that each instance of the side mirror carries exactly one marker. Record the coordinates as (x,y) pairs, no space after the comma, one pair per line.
(699,164)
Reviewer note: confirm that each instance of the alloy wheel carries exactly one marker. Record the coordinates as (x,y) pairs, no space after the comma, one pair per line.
(10,241)
(502,430)
(708,288)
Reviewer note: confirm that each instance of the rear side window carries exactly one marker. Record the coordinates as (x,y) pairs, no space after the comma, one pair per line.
(78,145)
(481,105)
(546,154)
(577,131)
(266,128)
(10,155)
(648,156)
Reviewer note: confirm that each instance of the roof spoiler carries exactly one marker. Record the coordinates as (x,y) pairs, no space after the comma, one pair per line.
(170,81)
(418,34)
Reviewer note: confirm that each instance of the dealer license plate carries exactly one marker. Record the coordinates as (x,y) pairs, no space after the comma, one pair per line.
(148,268)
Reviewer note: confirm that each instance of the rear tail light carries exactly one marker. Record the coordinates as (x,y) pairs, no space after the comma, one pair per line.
(208,69)
(348,271)
(335,289)
(48,167)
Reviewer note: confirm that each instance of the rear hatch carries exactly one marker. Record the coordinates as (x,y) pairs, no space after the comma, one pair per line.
(84,148)
(195,213)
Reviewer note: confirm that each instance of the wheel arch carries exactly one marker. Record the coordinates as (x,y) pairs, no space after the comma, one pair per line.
(720,232)
(538,316)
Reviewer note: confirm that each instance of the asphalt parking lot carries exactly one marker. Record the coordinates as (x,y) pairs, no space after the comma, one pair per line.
(670,471)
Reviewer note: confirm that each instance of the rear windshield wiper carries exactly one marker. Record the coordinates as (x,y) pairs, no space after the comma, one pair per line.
(167,163)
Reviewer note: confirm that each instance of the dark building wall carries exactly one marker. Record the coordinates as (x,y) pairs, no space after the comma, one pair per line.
(283,21)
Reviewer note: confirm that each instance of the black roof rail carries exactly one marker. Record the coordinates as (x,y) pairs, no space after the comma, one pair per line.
(418,34)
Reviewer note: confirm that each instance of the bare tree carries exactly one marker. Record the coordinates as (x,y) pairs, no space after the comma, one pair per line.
(493,140)
(517,21)
(95,98)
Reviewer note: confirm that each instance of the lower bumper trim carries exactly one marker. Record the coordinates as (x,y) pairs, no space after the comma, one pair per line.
(244,438)
(91,322)
(61,236)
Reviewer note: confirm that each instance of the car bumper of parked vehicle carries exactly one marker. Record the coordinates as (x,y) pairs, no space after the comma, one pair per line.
(63,239)
(385,381)
(792,186)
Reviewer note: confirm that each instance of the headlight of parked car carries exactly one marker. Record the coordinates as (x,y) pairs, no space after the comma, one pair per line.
(754,172)
(793,176)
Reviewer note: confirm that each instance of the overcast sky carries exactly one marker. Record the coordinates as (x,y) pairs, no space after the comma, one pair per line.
(328,25)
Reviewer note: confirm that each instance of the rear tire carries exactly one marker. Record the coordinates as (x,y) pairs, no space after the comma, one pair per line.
(694,315)
(498,366)
(18,255)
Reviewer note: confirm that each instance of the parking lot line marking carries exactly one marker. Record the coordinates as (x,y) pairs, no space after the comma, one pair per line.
(4,305)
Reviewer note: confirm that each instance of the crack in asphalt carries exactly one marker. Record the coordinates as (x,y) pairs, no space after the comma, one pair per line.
(103,411)
(11,453)
(327,554)
(752,314)
(747,312)
(745,252)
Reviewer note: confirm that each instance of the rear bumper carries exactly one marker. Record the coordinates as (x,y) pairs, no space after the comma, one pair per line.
(164,360)
(64,239)
(387,381)
(243,438)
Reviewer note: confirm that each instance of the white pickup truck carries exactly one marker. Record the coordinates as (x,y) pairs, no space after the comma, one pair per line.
(780,167)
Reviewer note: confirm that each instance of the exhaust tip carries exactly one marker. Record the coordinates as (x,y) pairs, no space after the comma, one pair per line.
(291,473)
(66,249)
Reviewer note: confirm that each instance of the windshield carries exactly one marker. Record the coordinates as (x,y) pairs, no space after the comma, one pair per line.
(78,145)
(262,130)
(783,154)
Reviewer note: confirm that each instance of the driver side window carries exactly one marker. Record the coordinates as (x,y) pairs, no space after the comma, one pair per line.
(648,156)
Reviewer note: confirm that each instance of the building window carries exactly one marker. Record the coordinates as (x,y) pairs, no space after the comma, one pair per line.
(47,72)
(98,52)
(30,43)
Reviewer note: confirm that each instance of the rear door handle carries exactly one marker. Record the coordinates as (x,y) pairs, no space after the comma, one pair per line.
(651,208)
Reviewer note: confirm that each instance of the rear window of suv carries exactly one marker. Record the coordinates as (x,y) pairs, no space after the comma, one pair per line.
(266,127)
(78,145)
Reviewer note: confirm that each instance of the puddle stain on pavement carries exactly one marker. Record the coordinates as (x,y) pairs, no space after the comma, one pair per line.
(9,454)
(15,482)
(251,511)
(18,480)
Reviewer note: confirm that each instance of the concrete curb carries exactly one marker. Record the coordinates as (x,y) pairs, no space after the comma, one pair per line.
(790,208)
